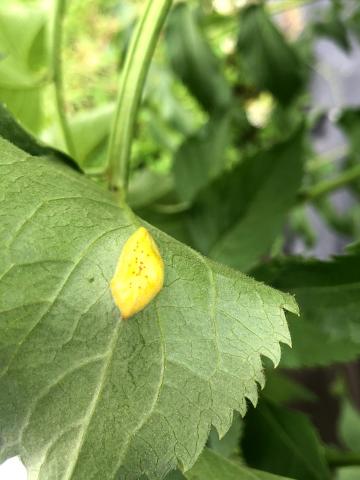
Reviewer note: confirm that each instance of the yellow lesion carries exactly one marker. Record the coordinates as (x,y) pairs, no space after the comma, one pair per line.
(139,274)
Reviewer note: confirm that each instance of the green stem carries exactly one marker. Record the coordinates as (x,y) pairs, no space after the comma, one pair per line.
(57,71)
(337,458)
(131,84)
(326,158)
(343,222)
(327,186)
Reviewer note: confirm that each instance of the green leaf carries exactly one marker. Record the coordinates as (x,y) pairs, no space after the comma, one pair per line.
(353,22)
(236,219)
(212,466)
(282,389)
(334,27)
(349,122)
(23,68)
(349,426)
(86,395)
(90,134)
(90,131)
(10,130)
(147,186)
(175,475)
(283,442)
(328,295)
(193,60)
(202,157)
(229,444)
(173,224)
(268,60)
(348,473)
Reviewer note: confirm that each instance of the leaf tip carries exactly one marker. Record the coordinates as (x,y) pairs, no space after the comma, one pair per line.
(290,305)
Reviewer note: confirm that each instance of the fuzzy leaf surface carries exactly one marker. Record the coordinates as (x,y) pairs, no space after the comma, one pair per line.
(84,395)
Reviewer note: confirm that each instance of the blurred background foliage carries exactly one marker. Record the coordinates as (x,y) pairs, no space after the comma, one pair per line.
(228,158)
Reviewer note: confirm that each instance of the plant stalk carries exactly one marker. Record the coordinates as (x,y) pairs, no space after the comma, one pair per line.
(131,84)
(327,186)
(57,71)
(337,458)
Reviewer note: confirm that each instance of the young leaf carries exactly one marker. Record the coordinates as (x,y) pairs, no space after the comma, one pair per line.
(269,61)
(283,442)
(328,295)
(85,395)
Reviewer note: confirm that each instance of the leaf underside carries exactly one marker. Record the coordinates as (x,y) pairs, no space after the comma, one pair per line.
(84,395)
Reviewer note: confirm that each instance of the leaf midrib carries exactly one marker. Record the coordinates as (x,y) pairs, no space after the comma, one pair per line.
(147,416)
(95,400)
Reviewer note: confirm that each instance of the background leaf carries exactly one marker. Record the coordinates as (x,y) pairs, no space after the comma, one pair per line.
(229,444)
(327,293)
(10,130)
(334,27)
(193,60)
(236,219)
(212,466)
(90,132)
(349,122)
(283,390)
(349,426)
(23,66)
(348,473)
(283,442)
(202,157)
(268,60)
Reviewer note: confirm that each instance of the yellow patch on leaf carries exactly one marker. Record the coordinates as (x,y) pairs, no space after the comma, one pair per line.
(139,274)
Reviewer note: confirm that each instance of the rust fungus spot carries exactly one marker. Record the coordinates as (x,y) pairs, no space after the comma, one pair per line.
(126,296)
